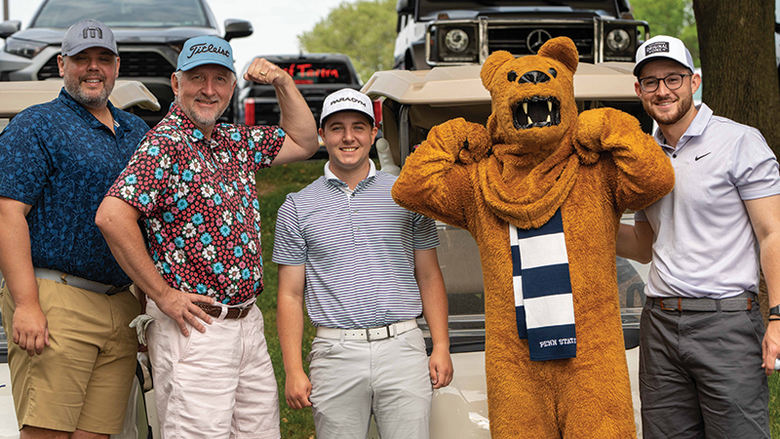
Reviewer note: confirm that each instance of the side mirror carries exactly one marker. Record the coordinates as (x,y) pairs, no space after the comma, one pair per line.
(7,28)
(237,29)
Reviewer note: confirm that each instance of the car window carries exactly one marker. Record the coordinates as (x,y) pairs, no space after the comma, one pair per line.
(123,13)
(318,72)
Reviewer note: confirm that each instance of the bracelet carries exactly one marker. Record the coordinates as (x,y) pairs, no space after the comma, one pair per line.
(774,320)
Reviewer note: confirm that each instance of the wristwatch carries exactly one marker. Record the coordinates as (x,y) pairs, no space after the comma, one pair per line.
(774,311)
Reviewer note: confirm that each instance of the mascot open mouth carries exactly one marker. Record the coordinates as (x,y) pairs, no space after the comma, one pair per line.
(536,112)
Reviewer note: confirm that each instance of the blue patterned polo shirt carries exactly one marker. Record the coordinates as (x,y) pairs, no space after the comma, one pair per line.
(60,159)
(199,201)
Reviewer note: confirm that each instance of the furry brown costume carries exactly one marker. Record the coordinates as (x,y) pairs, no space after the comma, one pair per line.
(520,170)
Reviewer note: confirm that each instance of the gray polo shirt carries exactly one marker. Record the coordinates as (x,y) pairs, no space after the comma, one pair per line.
(358,247)
(704,242)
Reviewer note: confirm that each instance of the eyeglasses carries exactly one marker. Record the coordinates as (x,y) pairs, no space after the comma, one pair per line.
(672,82)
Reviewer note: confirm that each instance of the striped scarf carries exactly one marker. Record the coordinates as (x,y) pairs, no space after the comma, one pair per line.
(542,287)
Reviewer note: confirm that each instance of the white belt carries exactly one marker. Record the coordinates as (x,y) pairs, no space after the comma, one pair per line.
(371,334)
(78,282)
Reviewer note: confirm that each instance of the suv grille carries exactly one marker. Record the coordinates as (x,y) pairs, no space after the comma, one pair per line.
(133,65)
(512,37)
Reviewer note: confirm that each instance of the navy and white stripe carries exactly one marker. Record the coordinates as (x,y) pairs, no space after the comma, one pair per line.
(358,248)
(542,286)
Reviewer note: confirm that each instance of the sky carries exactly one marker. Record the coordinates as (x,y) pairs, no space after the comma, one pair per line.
(276,24)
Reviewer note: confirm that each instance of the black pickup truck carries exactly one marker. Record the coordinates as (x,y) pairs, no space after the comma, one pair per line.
(316,75)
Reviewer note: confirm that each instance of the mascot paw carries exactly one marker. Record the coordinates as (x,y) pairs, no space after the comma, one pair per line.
(590,133)
(603,129)
(469,142)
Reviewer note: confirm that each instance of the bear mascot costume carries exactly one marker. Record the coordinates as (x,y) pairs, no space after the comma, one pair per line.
(542,190)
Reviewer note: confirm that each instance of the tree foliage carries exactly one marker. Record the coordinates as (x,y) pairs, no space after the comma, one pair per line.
(363,30)
(670,17)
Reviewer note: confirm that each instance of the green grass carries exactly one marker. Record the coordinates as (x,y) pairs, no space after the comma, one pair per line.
(273,185)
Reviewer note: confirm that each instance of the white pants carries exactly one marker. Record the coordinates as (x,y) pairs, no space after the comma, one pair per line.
(353,379)
(217,384)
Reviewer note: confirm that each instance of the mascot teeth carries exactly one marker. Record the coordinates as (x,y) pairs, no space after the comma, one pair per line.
(537,112)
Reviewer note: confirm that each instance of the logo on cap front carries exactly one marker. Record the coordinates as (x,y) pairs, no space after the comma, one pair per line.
(204,47)
(92,32)
(347,99)
(660,46)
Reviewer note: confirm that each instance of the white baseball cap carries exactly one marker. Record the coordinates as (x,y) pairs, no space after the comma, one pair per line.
(662,46)
(347,99)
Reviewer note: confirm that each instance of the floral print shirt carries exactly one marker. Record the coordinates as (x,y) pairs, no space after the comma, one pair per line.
(199,202)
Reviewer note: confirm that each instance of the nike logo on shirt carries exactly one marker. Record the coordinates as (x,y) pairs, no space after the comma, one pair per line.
(702,156)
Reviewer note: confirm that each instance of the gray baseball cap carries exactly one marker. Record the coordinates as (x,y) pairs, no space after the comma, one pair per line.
(86,34)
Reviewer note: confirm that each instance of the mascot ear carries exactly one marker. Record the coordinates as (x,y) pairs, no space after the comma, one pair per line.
(561,49)
(492,64)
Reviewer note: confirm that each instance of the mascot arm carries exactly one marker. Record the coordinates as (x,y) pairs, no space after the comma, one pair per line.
(435,178)
(644,173)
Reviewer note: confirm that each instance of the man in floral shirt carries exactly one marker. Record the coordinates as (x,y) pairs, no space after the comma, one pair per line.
(192,184)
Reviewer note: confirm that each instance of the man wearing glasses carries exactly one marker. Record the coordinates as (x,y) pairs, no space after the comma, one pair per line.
(702,368)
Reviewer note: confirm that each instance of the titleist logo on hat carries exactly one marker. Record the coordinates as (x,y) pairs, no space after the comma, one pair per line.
(347,99)
(660,46)
(92,32)
(203,48)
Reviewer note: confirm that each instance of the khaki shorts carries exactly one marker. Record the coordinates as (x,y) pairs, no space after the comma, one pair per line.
(83,380)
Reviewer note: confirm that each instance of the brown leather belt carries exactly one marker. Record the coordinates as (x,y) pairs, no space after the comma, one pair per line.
(216,311)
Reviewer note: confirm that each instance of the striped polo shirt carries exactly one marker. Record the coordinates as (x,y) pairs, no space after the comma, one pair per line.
(358,247)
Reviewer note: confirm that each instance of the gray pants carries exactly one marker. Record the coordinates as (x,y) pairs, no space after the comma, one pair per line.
(700,374)
(353,379)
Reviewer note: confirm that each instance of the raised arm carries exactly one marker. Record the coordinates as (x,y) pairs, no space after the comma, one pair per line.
(118,221)
(296,120)
(765,218)
(435,311)
(435,179)
(644,173)
(30,328)
(289,322)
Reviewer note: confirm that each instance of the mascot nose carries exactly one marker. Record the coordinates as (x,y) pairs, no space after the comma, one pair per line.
(534,77)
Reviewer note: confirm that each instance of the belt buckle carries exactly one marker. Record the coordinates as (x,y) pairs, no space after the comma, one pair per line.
(368,333)
(679,305)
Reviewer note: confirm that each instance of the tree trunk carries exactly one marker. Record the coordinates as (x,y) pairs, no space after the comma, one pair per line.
(739,72)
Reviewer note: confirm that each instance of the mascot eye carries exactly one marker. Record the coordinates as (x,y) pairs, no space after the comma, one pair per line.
(552,72)
(511,76)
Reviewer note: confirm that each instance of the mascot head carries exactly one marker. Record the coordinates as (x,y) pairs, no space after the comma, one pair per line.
(532,97)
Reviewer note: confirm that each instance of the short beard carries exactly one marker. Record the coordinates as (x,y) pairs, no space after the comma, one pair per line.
(196,118)
(73,89)
(684,104)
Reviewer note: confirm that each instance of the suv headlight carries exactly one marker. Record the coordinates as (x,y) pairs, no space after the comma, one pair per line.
(456,40)
(25,48)
(618,40)
(454,43)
